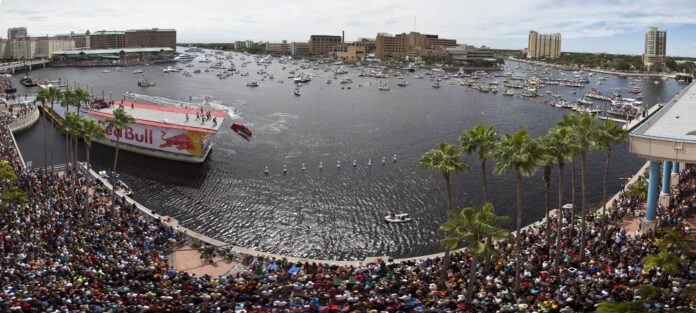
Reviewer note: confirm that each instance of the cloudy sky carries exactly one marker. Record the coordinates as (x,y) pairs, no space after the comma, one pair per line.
(614,26)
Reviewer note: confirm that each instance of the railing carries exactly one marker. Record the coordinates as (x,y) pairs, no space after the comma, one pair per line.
(30,118)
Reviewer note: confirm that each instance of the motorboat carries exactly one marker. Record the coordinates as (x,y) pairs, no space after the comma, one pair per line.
(145,82)
(297,92)
(403,83)
(106,71)
(398,218)
(138,71)
(436,85)
(27,81)
(168,69)
(241,130)
(252,84)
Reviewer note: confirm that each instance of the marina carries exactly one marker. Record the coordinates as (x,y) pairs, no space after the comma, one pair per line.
(290,173)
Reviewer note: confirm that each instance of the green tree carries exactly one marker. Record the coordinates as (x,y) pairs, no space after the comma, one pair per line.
(81,96)
(482,140)
(42,97)
(620,307)
(638,189)
(667,261)
(90,131)
(519,153)
(116,124)
(609,134)
(473,225)
(71,127)
(446,159)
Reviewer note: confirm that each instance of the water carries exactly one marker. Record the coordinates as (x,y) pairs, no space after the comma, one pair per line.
(334,213)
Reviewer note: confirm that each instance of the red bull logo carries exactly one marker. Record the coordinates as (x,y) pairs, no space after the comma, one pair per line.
(180,141)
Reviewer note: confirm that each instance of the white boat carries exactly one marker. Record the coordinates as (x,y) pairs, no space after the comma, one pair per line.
(168,69)
(403,83)
(138,71)
(252,84)
(297,92)
(106,71)
(398,218)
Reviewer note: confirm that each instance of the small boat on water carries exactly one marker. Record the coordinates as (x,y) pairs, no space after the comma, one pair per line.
(398,218)
(145,82)
(297,92)
(138,71)
(27,81)
(403,83)
(241,130)
(252,84)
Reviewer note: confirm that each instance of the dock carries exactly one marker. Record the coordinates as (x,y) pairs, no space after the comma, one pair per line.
(634,122)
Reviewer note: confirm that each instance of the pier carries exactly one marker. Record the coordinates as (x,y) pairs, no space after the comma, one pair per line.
(17,66)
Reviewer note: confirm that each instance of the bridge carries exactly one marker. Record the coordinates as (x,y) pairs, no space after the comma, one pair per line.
(12,67)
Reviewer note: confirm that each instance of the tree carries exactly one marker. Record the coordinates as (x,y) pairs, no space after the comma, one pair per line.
(446,159)
(42,97)
(584,129)
(638,189)
(667,261)
(620,307)
(609,134)
(71,127)
(116,124)
(81,96)
(482,140)
(91,130)
(10,194)
(473,224)
(519,153)
(559,143)
(546,161)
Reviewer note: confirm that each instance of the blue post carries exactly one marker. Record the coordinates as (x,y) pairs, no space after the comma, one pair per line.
(666,176)
(675,167)
(651,210)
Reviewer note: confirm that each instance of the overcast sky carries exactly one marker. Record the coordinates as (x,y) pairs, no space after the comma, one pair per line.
(615,26)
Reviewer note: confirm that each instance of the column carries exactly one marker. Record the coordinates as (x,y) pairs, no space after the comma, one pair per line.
(666,175)
(651,205)
(675,174)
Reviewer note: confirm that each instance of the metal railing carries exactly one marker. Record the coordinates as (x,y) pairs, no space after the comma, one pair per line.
(25,120)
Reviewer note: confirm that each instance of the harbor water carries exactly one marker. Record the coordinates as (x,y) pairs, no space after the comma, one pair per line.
(331,213)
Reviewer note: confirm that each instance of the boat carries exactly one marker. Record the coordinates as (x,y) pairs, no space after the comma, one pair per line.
(194,49)
(297,92)
(634,90)
(241,130)
(127,191)
(398,218)
(138,71)
(168,69)
(403,83)
(436,85)
(27,81)
(145,82)
(346,81)
(106,71)
(508,92)
(252,84)
(184,58)
(383,87)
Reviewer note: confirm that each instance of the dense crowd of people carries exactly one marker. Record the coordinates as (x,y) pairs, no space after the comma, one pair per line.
(59,256)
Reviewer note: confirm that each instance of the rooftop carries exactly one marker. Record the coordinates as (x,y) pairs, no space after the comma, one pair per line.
(166,116)
(151,30)
(113,51)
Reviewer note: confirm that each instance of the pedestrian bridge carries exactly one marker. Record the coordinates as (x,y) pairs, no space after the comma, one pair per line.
(12,67)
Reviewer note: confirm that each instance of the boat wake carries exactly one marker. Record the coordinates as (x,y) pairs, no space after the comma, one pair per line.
(279,121)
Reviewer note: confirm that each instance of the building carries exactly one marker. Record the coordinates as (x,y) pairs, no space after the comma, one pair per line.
(123,56)
(411,44)
(466,53)
(245,44)
(352,53)
(543,45)
(300,48)
(81,39)
(150,38)
(16,32)
(107,40)
(655,47)
(279,48)
(323,44)
(27,48)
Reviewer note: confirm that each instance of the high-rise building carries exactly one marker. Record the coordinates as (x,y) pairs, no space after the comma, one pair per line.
(150,38)
(655,47)
(543,45)
(16,32)
(107,40)
(323,44)
(412,43)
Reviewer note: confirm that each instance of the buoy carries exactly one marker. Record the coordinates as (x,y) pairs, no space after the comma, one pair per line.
(303,167)
(369,162)
(338,164)
(285,170)
(354,163)
(394,159)
(265,171)
(321,166)
(384,160)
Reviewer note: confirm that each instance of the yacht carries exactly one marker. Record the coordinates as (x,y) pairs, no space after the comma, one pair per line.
(168,69)
(403,83)
(297,92)
(138,71)
(252,84)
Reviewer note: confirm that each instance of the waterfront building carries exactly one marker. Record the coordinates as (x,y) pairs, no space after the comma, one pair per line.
(16,32)
(467,53)
(543,45)
(323,44)
(3,49)
(123,56)
(655,47)
(107,40)
(278,48)
(243,44)
(352,53)
(81,39)
(150,38)
(411,44)
(300,48)
(27,48)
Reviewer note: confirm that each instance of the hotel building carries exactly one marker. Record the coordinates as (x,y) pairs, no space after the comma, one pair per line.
(655,47)
(543,45)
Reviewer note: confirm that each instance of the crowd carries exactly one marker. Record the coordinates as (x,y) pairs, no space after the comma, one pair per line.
(59,256)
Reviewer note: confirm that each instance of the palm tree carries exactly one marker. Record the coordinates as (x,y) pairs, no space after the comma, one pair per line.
(446,159)
(482,140)
(560,144)
(71,127)
(91,130)
(609,134)
(81,96)
(68,98)
(521,154)
(473,224)
(116,124)
(667,261)
(546,161)
(638,189)
(585,132)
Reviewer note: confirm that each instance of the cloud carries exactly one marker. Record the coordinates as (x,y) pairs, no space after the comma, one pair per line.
(272,20)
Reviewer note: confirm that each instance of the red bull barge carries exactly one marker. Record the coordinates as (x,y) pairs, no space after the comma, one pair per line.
(167,132)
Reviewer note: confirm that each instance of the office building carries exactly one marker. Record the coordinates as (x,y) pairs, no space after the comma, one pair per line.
(278,48)
(323,44)
(467,53)
(655,47)
(352,53)
(107,40)
(150,38)
(81,39)
(543,45)
(300,48)
(16,32)
(411,44)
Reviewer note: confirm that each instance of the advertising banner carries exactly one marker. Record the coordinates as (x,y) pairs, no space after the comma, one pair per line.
(178,141)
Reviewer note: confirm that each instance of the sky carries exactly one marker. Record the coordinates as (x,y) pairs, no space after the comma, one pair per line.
(612,26)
